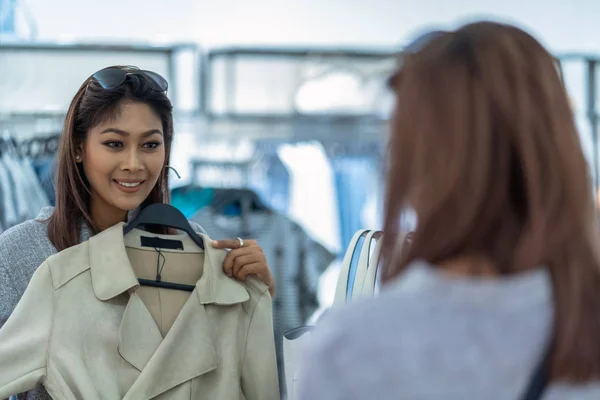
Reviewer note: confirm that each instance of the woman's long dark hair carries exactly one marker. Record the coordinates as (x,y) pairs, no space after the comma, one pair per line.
(92,105)
(484,147)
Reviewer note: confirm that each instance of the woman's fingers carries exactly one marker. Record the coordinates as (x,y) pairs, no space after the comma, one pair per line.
(233,254)
(261,271)
(251,269)
(242,260)
(233,243)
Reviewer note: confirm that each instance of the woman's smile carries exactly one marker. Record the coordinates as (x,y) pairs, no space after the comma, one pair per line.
(129,185)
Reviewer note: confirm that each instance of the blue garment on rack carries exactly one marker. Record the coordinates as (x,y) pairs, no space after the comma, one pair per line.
(276,192)
(8,17)
(45,169)
(190,200)
(352,178)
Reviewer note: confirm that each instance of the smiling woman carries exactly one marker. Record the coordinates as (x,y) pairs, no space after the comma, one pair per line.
(112,162)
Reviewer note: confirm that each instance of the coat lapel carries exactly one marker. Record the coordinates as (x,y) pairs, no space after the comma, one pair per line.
(139,336)
(186,352)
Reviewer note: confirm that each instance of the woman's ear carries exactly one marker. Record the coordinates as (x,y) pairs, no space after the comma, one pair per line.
(79,153)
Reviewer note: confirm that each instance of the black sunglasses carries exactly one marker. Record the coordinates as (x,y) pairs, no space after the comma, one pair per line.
(113,77)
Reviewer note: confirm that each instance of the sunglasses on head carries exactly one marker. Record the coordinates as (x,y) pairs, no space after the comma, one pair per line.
(113,77)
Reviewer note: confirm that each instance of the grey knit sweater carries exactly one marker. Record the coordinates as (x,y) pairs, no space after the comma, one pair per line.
(431,337)
(22,249)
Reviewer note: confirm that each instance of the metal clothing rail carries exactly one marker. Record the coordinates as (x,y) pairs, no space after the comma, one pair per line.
(25,128)
(298,52)
(18,45)
(322,128)
(81,58)
(337,59)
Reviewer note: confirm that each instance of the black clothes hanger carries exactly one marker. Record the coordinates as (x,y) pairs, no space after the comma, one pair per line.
(164,215)
(167,216)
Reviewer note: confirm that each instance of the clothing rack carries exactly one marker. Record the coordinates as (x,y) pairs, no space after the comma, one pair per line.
(38,147)
(228,193)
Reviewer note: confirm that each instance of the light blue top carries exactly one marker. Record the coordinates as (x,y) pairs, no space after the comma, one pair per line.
(432,337)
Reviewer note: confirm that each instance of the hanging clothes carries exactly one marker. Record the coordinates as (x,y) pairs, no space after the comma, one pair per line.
(270,179)
(44,168)
(295,259)
(355,178)
(20,188)
(82,329)
(8,211)
(190,199)
(21,193)
(316,210)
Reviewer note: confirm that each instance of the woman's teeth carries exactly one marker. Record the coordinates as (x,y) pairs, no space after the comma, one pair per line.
(129,185)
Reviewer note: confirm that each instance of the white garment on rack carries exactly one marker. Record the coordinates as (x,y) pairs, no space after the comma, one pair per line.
(8,205)
(22,194)
(312,192)
(36,193)
(19,188)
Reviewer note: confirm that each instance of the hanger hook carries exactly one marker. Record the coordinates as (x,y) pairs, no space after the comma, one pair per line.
(174,170)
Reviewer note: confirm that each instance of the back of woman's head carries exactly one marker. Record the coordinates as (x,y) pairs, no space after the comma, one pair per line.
(485,149)
(92,105)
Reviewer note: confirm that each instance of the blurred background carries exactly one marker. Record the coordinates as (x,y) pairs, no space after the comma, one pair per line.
(281,107)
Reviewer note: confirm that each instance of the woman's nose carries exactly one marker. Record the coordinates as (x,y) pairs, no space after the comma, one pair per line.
(132,162)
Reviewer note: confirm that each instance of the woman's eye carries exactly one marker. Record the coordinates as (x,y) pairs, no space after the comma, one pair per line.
(152,145)
(114,144)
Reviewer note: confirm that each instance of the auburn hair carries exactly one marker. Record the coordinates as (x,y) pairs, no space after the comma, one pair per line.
(484,147)
(92,105)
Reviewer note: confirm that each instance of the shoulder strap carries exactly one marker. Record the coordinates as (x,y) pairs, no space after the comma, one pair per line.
(364,264)
(341,291)
(370,281)
(539,380)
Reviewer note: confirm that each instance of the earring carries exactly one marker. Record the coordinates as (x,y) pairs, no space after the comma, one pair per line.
(77,157)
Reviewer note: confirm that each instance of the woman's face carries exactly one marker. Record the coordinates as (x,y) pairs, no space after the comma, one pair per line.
(123,158)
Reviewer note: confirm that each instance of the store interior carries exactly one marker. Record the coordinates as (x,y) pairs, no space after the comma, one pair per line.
(281,111)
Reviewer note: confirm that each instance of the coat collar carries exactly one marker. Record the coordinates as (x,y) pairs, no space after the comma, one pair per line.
(112,273)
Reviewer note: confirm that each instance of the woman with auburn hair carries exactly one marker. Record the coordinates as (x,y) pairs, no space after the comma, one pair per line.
(498,294)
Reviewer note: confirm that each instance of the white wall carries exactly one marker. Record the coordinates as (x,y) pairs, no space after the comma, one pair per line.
(563,25)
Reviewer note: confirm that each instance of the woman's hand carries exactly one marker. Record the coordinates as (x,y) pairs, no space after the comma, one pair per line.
(245,260)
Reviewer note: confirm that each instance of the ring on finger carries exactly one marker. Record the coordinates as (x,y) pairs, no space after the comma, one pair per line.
(241,242)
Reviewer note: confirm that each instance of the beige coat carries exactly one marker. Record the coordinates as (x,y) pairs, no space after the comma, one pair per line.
(81,330)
